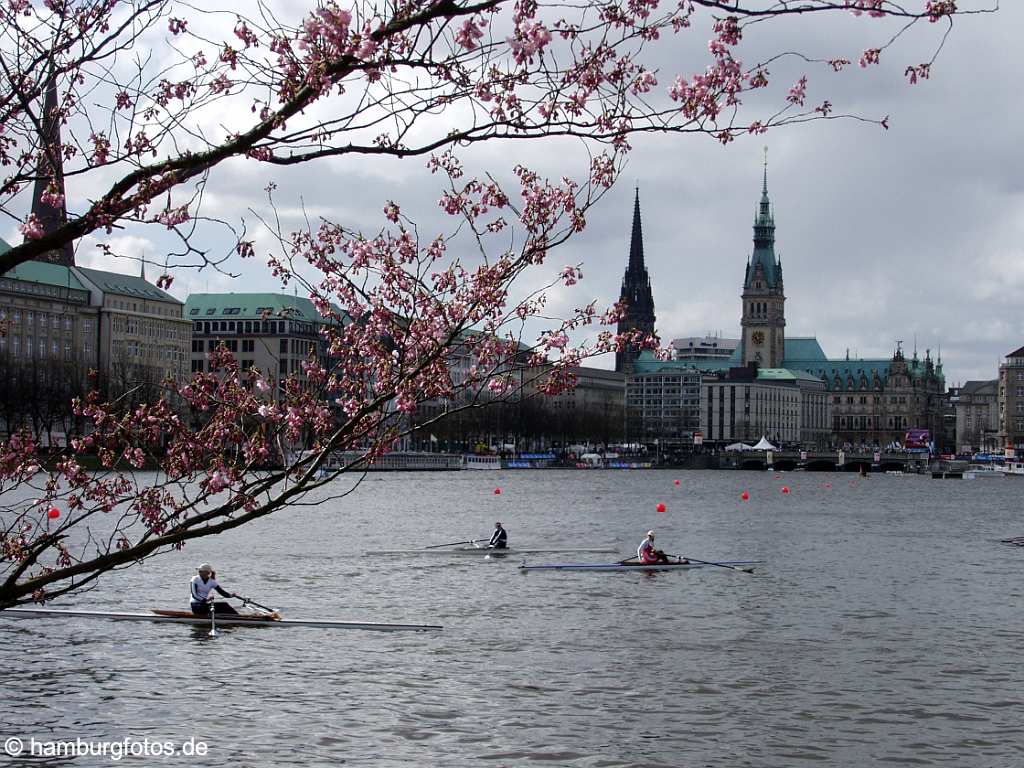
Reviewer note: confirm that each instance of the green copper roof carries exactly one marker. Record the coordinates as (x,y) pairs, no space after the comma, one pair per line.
(249,306)
(803,348)
(45,273)
(764,242)
(844,370)
(4,246)
(125,285)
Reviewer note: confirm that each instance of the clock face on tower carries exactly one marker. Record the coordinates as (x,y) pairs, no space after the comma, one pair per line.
(757,337)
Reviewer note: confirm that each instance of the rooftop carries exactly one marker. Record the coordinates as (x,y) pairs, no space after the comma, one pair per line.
(125,285)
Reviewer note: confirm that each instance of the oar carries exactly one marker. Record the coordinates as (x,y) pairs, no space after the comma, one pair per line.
(720,565)
(213,620)
(453,544)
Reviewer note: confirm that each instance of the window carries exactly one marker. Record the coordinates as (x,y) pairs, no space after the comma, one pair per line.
(67,350)
(212,345)
(197,366)
(248,345)
(197,345)
(30,316)
(194,311)
(211,311)
(284,346)
(283,366)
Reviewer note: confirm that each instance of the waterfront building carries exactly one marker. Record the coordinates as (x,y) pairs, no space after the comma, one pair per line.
(62,320)
(744,404)
(662,401)
(274,333)
(635,294)
(976,408)
(592,412)
(1011,401)
(703,348)
(871,402)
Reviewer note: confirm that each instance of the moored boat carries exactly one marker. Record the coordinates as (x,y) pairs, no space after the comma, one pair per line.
(223,620)
(678,565)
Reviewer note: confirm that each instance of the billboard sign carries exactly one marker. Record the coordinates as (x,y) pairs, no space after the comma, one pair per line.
(917,438)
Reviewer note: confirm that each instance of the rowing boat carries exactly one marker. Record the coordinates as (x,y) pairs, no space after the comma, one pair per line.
(495,552)
(223,620)
(677,566)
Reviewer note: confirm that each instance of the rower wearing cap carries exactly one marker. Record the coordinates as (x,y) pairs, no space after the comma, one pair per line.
(646,552)
(499,539)
(203,584)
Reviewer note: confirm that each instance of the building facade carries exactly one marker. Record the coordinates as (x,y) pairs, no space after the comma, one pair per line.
(274,333)
(976,408)
(1011,401)
(662,402)
(746,404)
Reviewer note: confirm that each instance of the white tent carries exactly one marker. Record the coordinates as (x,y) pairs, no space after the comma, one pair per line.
(739,447)
(764,445)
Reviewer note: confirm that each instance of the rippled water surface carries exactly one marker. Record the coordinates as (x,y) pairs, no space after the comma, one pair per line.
(885,627)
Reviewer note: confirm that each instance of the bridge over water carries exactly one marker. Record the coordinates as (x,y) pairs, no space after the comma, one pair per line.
(827,461)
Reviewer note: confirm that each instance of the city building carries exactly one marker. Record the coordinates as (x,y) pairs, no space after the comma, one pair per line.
(976,408)
(635,295)
(62,320)
(703,348)
(871,402)
(592,412)
(275,333)
(662,401)
(1011,401)
(745,404)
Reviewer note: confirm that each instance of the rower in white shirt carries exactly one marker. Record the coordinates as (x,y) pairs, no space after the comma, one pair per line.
(204,583)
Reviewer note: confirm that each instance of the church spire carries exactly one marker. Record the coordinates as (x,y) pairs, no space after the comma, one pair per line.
(636,293)
(636,243)
(48,200)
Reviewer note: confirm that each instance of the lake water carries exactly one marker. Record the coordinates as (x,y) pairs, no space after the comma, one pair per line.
(884,627)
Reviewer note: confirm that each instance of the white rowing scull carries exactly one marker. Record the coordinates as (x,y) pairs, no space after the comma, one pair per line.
(223,620)
(497,552)
(637,566)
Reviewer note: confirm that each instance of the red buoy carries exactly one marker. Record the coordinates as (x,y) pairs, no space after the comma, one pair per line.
(745,496)
(785,489)
(675,482)
(497,491)
(53,514)
(660,507)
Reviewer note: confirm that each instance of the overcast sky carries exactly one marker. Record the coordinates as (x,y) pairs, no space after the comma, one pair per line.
(912,233)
